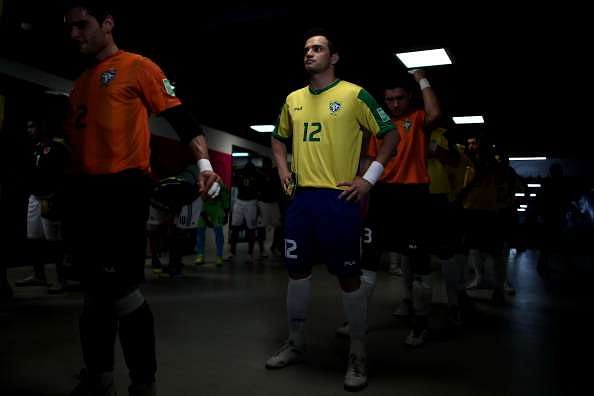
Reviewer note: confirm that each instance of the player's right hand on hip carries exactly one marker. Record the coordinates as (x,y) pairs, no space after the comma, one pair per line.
(356,190)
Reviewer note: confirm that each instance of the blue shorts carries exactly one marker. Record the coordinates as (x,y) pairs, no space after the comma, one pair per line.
(317,221)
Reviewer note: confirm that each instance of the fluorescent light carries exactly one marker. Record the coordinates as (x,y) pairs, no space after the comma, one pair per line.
(519,194)
(262,128)
(535,185)
(241,154)
(523,206)
(521,210)
(469,120)
(527,158)
(432,57)
(533,195)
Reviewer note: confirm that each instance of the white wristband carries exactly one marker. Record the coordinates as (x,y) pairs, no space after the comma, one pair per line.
(424,83)
(204,165)
(374,172)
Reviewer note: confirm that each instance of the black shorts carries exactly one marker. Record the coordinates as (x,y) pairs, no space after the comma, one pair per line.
(104,225)
(397,217)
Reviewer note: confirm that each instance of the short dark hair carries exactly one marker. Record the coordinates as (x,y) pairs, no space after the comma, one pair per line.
(99,9)
(318,31)
(406,82)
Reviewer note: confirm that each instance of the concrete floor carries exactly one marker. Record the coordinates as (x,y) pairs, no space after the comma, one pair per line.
(217,326)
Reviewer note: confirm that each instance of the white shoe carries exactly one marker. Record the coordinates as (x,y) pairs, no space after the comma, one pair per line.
(508,288)
(395,269)
(474,284)
(416,340)
(288,354)
(404,309)
(344,330)
(355,378)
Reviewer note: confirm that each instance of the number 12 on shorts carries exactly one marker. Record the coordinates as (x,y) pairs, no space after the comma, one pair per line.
(290,247)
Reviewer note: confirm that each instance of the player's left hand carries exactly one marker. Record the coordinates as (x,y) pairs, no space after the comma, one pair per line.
(418,74)
(356,190)
(209,184)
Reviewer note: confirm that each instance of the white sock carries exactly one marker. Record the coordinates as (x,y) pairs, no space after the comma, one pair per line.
(461,265)
(490,270)
(298,300)
(358,347)
(449,269)
(422,294)
(407,276)
(474,260)
(368,281)
(355,310)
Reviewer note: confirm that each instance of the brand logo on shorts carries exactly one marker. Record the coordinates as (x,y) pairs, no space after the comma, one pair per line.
(334,107)
(108,76)
(298,108)
(350,263)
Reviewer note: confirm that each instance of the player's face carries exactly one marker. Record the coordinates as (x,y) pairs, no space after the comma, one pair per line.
(472,145)
(86,31)
(316,55)
(397,101)
(31,128)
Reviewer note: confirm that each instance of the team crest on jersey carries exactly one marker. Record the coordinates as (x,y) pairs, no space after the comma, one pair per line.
(107,77)
(46,150)
(407,124)
(334,107)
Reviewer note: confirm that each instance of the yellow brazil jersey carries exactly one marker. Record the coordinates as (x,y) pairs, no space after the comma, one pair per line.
(326,127)
(461,174)
(438,174)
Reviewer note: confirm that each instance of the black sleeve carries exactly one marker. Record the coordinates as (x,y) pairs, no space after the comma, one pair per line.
(184,124)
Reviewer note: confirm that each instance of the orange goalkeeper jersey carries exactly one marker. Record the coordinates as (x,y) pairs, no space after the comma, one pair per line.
(110,104)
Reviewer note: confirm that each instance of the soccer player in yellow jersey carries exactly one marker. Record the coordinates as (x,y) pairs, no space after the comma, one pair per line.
(325,122)
(445,232)
(489,214)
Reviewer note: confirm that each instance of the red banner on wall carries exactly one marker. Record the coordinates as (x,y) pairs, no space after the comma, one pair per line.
(222,164)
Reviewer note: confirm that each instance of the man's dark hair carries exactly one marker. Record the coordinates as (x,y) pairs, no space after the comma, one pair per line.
(99,9)
(332,40)
(406,82)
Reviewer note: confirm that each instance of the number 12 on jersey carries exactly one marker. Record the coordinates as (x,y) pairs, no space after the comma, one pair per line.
(310,130)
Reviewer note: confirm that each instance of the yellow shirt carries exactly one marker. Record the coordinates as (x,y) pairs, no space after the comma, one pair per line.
(326,127)
(460,175)
(440,184)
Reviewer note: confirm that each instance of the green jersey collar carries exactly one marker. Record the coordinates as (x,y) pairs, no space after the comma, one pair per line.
(319,91)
